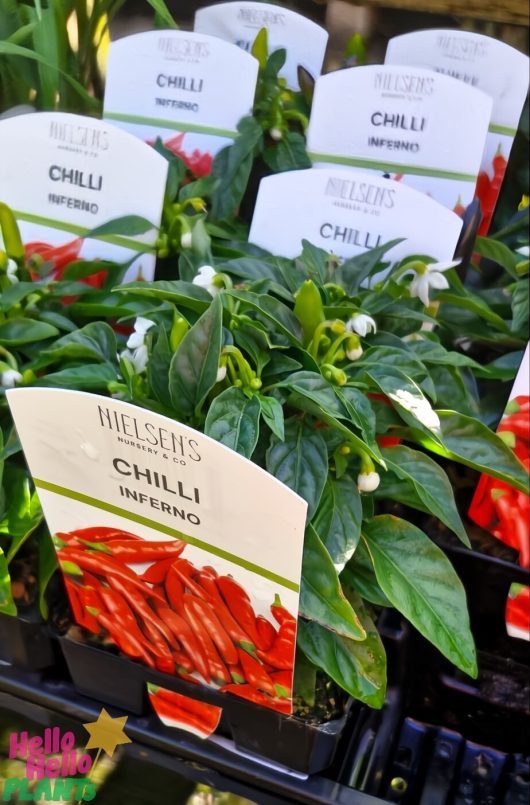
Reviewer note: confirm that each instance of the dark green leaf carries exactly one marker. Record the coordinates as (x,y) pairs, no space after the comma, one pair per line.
(233,420)
(430,484)
(353,272)
(23,512)
(194,366)
(15,332)
(288,154)
(357,666)
(419,580)
(7,605)
(359,575)
(127,225)
(158,368)
(93,377)
(273,310)
(272,413)
(338,519)
(93,342)
(520,307)
(321,596)
(176,291)
(300,462)
(498,252)
(469,442)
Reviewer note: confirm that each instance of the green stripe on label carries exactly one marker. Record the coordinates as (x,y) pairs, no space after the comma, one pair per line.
(164,529)
(161,123)
(495,129)
(116,240)
(391,167)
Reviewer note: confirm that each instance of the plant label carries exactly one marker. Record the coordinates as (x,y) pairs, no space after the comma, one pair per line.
(424,129)
(346,212)
(188,89)
(65,176)
(303,40)
(495,68)
(199,543)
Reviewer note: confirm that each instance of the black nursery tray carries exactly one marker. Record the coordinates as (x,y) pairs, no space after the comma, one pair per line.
(25,642)
(287,740)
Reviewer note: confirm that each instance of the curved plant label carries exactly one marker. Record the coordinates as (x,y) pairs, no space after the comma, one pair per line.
(66,176)
(182,552)
(304,41)
(489,65)
(189,89)
(424,129)
(347,212)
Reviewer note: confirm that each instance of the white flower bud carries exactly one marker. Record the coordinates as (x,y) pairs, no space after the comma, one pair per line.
(354,354)
(10,378)
(186,240)
(221,374)
(276,134)
(368,482)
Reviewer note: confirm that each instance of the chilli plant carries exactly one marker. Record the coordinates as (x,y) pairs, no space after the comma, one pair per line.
(331,386)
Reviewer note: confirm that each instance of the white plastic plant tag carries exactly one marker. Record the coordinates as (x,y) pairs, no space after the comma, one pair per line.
(346,212)
(66,175)
(303,40)
(158,511)
(424,129)
(189,89)
(494,67)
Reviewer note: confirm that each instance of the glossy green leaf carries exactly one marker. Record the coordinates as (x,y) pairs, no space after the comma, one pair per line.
(352,273)
(282,317)
(232,166)
(429,483)
(176,291)
(469,442)
(338,519)
(321,596)
(359,575)
(359,667)
(194,366)
(498,252)
(474,304)
(272,413)
(91,377)
(93,342)
(16,332)
(407,398)
(520,307)
(233,420)
(288,154)
(47,565)
(7,604)
(360,411)
(300,461)
(158,368)
(421,583)
(23,512)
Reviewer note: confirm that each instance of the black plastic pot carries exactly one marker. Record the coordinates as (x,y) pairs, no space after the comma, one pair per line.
(25,641)
(288,740)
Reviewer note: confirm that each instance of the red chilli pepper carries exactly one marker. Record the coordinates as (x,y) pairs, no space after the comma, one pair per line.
(208,581)
(186,572)
(255,674)
(103,565)
(187,638)
(220,638)
(266,631)
(100,534)
(157,572)
(125,642)
(204,718)
(78,611)
(240,607)
(281,655)
(217,669)
(131,552)
(120,611)
(280,614)
(174,589)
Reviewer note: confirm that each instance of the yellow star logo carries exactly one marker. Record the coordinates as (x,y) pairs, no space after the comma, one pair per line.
(106,733)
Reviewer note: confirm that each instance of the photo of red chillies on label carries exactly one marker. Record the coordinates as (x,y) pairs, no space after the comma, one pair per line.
(182,712)
(176,617)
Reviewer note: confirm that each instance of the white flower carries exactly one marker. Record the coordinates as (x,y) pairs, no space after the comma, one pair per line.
(524,250)
(221,374)
(276,134)
(368,481)
(420,408)
(141,326)
(205,279)
(11,271)
(361,324)
(429,275)
(9,378)
(138,357)
(186,240)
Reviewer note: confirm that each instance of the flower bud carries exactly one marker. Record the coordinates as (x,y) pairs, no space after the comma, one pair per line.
(368,481)
(186,240)
(276,134)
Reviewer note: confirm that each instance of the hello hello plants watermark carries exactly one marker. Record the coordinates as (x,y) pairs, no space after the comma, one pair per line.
(55,770)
